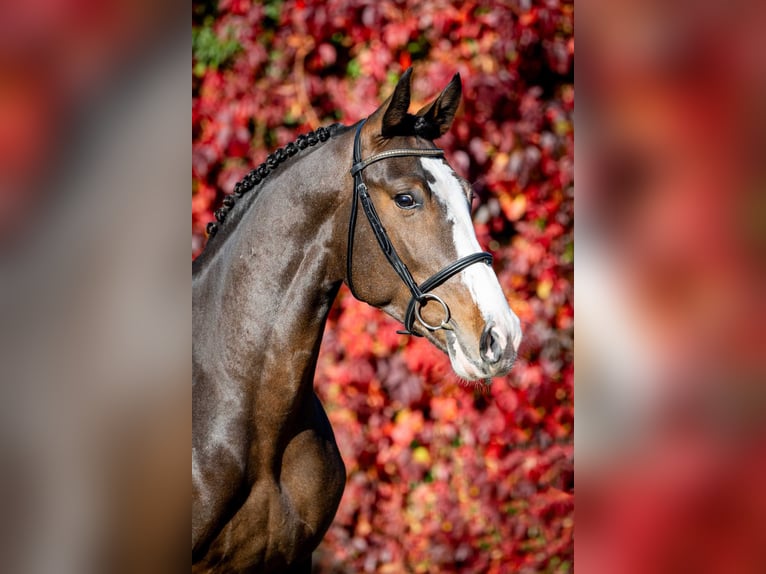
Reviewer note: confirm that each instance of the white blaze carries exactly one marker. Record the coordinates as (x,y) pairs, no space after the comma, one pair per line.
(479,279)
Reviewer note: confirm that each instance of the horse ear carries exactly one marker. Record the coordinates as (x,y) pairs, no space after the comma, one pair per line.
(394,109)
(437,117)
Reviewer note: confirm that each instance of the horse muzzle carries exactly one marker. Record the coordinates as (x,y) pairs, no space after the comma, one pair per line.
(491,354)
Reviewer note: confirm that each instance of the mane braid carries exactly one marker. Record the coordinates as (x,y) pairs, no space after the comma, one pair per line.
(257,175)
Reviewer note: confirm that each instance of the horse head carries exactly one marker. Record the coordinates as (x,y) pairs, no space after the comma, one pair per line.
(419,259)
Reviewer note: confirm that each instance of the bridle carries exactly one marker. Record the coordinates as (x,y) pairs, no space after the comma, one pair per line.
(420,293)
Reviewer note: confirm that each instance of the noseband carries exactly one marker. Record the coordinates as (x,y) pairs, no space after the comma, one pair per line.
(420,293)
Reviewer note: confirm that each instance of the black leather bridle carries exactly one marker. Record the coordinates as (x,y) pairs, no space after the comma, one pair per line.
(420,293)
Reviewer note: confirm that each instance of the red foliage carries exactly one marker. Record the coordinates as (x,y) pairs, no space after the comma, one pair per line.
(441,477)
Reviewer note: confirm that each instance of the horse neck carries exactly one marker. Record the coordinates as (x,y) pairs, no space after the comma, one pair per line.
(260,304)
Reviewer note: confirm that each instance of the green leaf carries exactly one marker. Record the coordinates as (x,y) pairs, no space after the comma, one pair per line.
(568,256)
(210,51)
(272,10)
(354,69)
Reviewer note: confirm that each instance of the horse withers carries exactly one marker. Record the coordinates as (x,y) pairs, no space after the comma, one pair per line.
(267,475)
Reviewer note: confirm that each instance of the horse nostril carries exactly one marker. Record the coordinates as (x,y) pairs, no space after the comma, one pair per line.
(491,344)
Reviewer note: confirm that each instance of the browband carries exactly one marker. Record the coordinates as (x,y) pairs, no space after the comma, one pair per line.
(360,165)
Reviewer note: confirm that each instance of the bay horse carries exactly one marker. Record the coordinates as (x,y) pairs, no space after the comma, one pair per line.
(267,475)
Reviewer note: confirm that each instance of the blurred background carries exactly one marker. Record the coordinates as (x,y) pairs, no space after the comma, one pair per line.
(442,477)
(94,290)
(671,238)
(95,328)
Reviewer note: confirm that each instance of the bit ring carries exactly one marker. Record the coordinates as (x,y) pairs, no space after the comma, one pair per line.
(423,301)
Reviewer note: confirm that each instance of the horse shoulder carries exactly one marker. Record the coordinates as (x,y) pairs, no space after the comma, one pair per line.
(312,471)
(285,513)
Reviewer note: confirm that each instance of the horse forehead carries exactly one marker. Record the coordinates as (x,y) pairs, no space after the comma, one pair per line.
(448,187)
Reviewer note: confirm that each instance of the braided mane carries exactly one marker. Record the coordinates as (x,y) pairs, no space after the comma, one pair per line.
(257,175)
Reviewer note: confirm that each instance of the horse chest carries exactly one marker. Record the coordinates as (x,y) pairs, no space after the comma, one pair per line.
(286,512)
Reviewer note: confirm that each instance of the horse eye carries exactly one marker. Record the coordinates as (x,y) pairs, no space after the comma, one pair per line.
(405,201)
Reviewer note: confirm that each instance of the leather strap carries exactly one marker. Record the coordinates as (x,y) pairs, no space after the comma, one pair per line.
(361,195)
(420,295)
(438,278)
(360,165)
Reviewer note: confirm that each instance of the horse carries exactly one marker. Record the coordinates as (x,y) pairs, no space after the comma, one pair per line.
(267,474)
